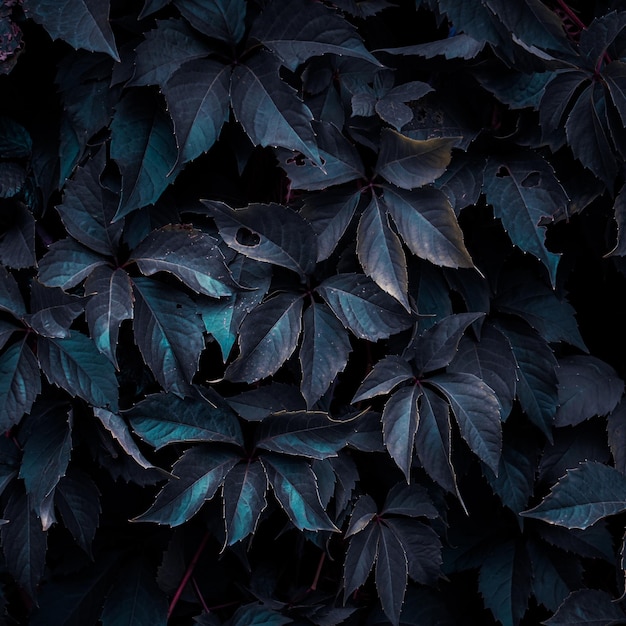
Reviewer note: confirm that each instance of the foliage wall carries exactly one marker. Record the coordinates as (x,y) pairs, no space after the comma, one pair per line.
(312,312)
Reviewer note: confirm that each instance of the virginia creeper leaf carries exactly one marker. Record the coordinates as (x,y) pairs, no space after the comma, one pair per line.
(258,615)
(616,431)
(587,607)
(384,376)
(364,511)
(218,19)
(409,500)
(53,310)
(11,299)
(460,46)
(17,242)
(391,573)
(360,557)
(256,404)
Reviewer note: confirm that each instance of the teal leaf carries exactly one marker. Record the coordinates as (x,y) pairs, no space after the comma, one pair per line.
(15,140)
(144,148)
(244,500)
(257,403)
(20,383)
(269,109)
(197,97)
(135,598)
(81,23)
(583,496)
(168,332)
(197,476)
(384,376)
(588,607)
(189,254)
(257,615)
(12,178)
(324,351)
(400,419)
(53,310)
(311,434)
(267,338)
(362,307)
(391,573)
(74,364)
(459,46)
(380,252)
(17,242)
(295,486)
(163,418)
(11,299)
(7,328)
(427,224)
(410,163)
(523,190)
(218,19)
(477,412)
(110,303)
(302,29)
(360,557)
(270,233)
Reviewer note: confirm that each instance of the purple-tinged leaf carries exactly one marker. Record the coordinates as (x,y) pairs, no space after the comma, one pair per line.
(45,459)
(311,434)
(189,254)
(364,511)
(78,501)
(163,418)
(392,108)
(477,412)
(269,110)
(17,242)
(197,476)
(427,224)
(346,478)
(400,419)
(505,582)
(460,46)
(614,74)
(410,163)
(588,607)
(360,557)
(409,500)
(244,500)
(257,615)
(463,181)
(24,543)
(587,387)
(391,573)
(7,328)
(323,353)
(81,23)
(164,50)
(295,486)
(616,430)
(362,307)
(599,35)
(110,303)
(20,383)
(168,332)
(74,364)
(218,19)
(88,208)
(11,299)
(197,96)
(67,263)
(267,338)
(303,29)
(270,233)
(584,495)
(53,310)
(144,148)
(380,252)
(384,376)
(135,598)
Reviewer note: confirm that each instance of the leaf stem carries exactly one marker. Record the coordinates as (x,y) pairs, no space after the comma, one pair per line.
(570,13)
(200,596)
(318,572)
(188,573)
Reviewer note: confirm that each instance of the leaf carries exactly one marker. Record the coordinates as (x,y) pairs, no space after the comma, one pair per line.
(364,511)
(587,387)
(267,338)
(360,557)
(12,178)
(311,434)
(53,310)
(391,573)
(477,412)
(380,252)
(362,307)
(197,476)
(270,233)
(303,29)
(24,543)
(295,487)
(460,46)
(11,299)
(74,364)
(168,332)
(15,141)
(269,109)
(110,303)
(82,23)
(257,615)
(428,226)
(616,430)
(17,243)
(410,501)
(219,19)
(410,163)
(244,500)
(324,351)
(161,419)
(384,376)
(20,383)
(400,419)
(256,404)
(144,148)
(197,97)
(587,607)
(135,599)
(45,459)
(584,495)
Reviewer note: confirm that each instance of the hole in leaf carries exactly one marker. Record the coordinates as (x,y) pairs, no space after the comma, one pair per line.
(503,172)
(532,180)
(246,237)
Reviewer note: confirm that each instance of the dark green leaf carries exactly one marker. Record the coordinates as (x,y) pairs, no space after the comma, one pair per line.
(163,418)
(53,310)
(587,607)
(360,557)
(391,573)
(385,375)
(219,19)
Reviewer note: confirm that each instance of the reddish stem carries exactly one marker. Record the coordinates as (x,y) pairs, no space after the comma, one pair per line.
(200,596)
(318,572)
(571,14)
